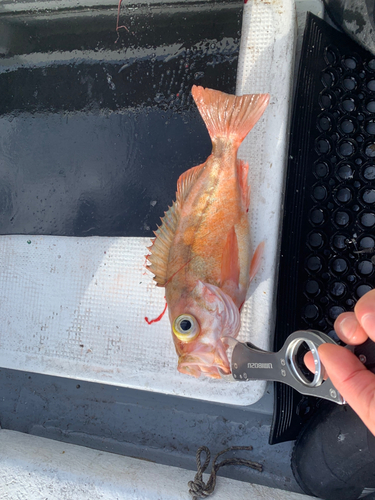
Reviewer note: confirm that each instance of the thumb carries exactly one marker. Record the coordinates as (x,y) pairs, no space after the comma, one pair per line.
(354,382)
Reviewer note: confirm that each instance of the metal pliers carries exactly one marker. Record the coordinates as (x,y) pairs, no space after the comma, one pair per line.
(287,365)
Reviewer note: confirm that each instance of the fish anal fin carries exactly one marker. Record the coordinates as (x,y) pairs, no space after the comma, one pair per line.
(256,260)
(230,265)
(242,172)
(160,248)
(186,180)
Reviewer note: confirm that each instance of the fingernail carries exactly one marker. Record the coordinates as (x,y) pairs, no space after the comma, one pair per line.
(368,322)
(347,327)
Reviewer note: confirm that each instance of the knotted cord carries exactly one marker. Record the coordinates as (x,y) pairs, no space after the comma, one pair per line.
(198,488)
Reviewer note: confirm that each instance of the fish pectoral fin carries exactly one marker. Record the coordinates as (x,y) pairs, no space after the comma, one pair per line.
(256,260)
(160,248)
(230,264)
(242,171)
(186,180)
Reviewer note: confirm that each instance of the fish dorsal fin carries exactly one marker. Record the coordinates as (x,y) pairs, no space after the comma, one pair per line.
(186,180)
(230,265)
(164,235)
(162,243)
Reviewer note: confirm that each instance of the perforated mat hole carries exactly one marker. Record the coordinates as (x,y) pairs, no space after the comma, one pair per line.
(349,62)
(345,171)
(326,100)
(339,241)
(320,193)
(351,278)
(314,263)
(339,266)
(348,104)
(343,195)
(367,242)
(317,216)
(370,149)
(346,148)
(365,267)
(358,161)
(371,85)
(333,159)
(324,123)
(328,78)
(315,240)
(342,218)
(321,169)
(367,219)
(369,172)
(330,55)
(370,106)
(362,289)
(371,65)
(338,289)
(349,83)
(347,125)
(310,312)
(312,287)
(370,127)
(335,311)
(368,196)
(323,146)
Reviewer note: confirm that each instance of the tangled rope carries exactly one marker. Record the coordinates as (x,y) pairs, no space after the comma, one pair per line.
(198,488)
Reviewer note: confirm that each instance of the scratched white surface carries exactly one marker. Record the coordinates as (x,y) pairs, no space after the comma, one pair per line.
(75,307)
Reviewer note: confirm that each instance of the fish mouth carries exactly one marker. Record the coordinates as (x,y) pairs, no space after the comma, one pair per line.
(211,364)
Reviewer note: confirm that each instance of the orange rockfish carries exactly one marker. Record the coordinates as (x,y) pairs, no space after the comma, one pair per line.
(201,253)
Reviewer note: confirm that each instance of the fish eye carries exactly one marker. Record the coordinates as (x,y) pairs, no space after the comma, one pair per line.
(185,327)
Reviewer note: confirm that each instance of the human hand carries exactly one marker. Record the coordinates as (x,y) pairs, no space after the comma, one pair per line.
(354,382)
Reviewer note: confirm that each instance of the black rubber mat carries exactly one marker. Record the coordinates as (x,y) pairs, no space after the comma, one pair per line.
(95,131)
(328,242)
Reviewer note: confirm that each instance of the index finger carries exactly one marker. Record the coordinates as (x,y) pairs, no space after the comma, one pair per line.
(352,380)
(365,313)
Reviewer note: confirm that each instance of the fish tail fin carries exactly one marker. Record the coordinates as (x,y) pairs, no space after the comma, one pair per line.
(229,116)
